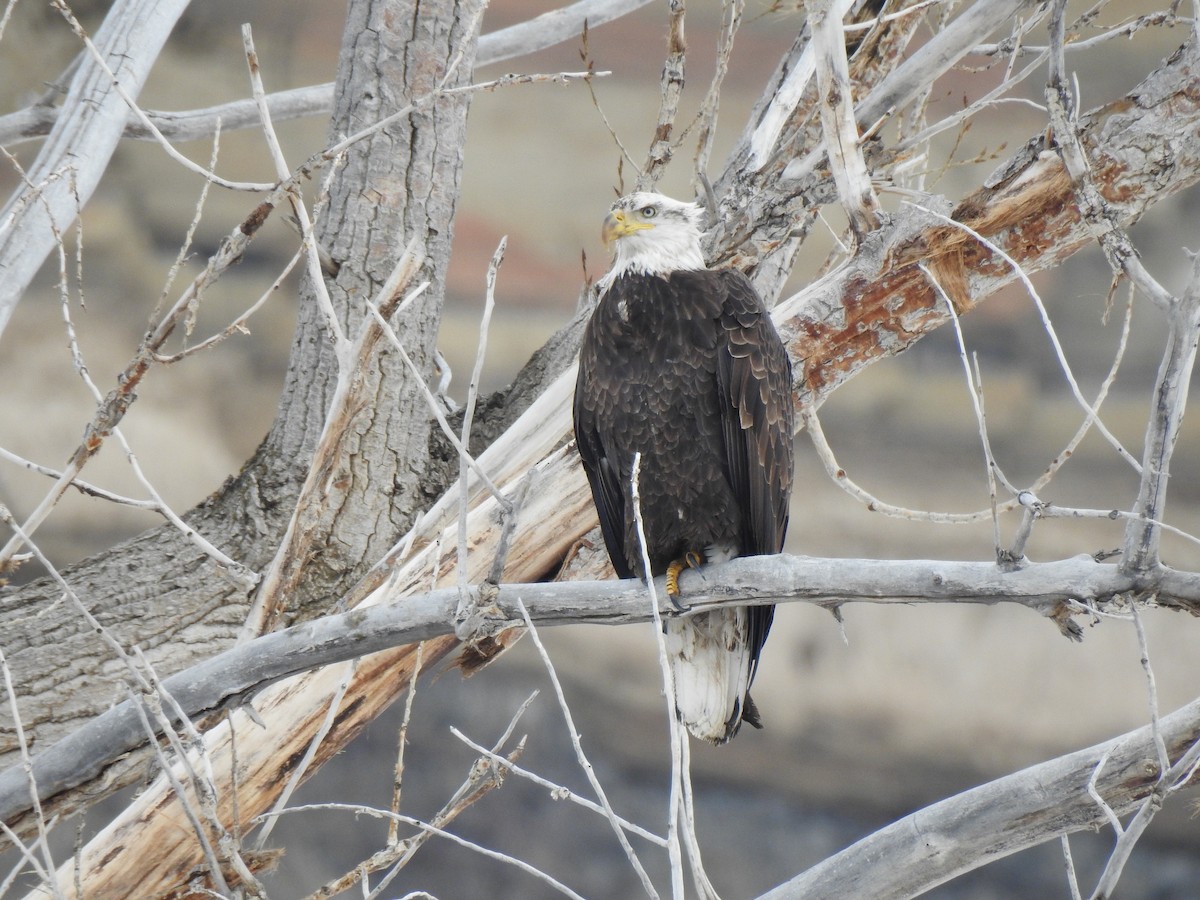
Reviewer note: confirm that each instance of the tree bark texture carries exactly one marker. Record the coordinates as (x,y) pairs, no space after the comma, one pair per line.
(158,591)
(397,185)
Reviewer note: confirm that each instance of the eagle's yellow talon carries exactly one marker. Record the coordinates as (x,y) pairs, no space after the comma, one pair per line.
(673,571)
(689,560)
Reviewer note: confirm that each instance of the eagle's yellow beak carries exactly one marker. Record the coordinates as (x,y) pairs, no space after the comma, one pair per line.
(617,224)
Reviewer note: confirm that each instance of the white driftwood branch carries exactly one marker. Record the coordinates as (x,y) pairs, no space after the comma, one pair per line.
(234,677)
(63,176)
(518,40)
(997,819)
(912,76)
(836,101)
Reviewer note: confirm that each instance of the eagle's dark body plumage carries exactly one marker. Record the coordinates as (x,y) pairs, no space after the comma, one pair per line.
(685,367)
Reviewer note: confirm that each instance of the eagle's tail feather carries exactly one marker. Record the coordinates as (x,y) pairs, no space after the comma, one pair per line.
(710,661)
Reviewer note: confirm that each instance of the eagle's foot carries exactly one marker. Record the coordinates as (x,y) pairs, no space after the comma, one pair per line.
(689,560)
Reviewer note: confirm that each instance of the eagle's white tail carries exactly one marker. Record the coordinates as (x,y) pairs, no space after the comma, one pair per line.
(710,659)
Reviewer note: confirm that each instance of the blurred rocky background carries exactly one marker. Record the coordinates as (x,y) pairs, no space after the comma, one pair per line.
(866,721)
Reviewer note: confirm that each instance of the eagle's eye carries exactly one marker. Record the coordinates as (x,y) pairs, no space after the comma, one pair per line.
(648,212)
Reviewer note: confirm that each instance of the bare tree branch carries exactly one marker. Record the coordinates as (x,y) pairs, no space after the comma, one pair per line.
(1117,246)
(236,676)
(907,81)
(544,31)
(937,843)
(846,162)
(880,303)
(93,116)
(1166,418)
(661,147)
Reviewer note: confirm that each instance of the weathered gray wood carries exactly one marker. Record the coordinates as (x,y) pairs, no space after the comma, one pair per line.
(76,154)
(543,31)
(987,823)
(235,676)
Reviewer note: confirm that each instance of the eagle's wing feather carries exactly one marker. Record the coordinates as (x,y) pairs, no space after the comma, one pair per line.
(754,377)
(607,489)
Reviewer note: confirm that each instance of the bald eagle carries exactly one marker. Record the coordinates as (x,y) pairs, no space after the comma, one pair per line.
(682,364)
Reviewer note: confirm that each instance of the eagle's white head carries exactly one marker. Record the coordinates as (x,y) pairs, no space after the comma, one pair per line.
(652,235)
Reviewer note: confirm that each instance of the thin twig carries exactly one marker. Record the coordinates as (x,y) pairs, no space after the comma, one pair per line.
(79,484)
(706,117)
(117,402)
(43,840)
(585,56)
(185,245)
(1170,781)
(315,275)
(975,389)
(238,325)
(812,425)
(675,796)
(557,791)
(331,713)
(581,757)
(868,24)
(1047,326)
(145,705)
(144,119)
(435,407)
(1069,862)
(439,832)
(191,754)
(28,857)
(1164,761)
(1069,450)
(464,461)
(1127,29)
(481,780)
(237,572)
(994,472)
(402,741)
(1094,793)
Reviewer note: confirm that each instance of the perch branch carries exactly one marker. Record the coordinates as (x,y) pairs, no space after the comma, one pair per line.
(233,677)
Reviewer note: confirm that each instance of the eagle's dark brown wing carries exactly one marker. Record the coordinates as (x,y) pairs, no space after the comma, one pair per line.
(596,395)
(754,377)
(607,490)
